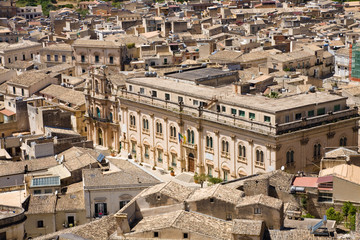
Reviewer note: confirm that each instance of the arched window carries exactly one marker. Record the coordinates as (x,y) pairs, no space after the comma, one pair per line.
(225,146)
(145,124)
(259,157)
(98,114)
(159,128)
(289,157)
(172,132)
(242,151)
(343,141)
(132,121)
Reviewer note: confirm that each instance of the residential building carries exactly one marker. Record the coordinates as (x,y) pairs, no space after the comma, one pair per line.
(95,52)
(12,222)
(21,51)
(107,193)
(29,12)
(56,54)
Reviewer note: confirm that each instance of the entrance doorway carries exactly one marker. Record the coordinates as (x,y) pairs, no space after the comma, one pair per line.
(100,137)
(191,161)
(71,220)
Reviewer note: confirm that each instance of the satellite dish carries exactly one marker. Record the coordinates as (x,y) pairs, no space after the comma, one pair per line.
(282,168)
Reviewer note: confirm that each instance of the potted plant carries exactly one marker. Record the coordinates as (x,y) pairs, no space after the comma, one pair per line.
(172,173)
(196,177)
(112,152)
(153,168)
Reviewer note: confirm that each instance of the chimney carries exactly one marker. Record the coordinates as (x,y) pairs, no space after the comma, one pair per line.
(122,224)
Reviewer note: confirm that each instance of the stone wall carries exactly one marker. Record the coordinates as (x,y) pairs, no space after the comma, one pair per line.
(256,186)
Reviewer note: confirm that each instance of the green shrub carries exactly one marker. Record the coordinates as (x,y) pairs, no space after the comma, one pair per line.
(308,215)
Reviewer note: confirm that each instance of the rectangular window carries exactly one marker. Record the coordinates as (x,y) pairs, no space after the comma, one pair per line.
(97,59)
(210,170)
(252,115)
(325,197)
(228,216)
(195,102)
(123,203)
(37,192)
(40,224)
(225,175)
(9,60)
(22,92)
(15,59)
(233,111)
(48,57)
(257,210)
(154,93)
(146,154)
(180,99)
(160,155)
(185,235)
(63,58)
(14,90)
(100,209)
(82,58)
(130,88)
(24,57)
(111,60)
(337,108)
(321,111)
(223,109)
(48,191)
(142,90)
(298,116)
(311,113)
(156,234)
(267,119)
(173,160)
(56,57)
(287,119)
(167,96)
(241,113)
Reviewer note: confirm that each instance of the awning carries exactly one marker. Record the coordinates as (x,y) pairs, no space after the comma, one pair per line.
(305,182)
(7,113)
(325,179)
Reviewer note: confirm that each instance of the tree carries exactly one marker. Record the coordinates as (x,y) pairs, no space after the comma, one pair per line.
(214,180)
(334,215)
(200,178)
(349,210)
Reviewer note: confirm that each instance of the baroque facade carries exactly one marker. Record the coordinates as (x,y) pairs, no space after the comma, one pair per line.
(168,122)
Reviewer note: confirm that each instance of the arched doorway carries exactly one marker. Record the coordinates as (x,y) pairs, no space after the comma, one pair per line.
(100,137)
(191,162)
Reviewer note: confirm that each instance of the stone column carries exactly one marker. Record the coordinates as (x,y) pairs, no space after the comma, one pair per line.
(233,140)
(217,165)
(200,160)
(251,143)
